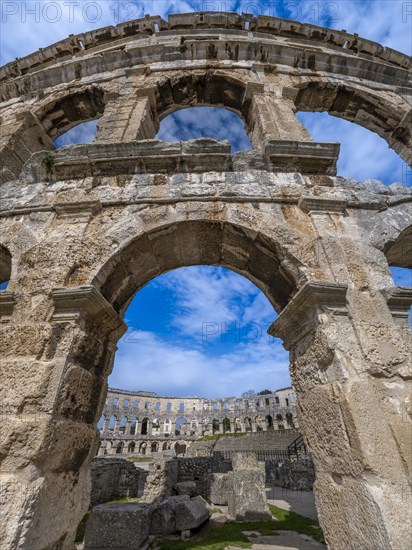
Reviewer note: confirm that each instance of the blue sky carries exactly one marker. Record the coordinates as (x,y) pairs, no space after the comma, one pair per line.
(178,323)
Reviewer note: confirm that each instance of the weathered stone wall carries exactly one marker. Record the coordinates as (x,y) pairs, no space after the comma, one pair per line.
(296,475)
(142,422)
(114,478)
(84,228)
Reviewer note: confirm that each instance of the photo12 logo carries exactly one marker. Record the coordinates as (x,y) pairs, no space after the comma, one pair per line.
(109,12)
(235,332)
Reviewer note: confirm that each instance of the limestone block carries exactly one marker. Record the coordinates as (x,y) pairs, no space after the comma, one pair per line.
(122,526)
(218,488)
(163,516)
(191,513)
(186,488)
(246,497)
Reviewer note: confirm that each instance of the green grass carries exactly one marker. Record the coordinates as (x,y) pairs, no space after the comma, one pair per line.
(290,521)
(141,459)
(82,528)
(230,533)
(215,511)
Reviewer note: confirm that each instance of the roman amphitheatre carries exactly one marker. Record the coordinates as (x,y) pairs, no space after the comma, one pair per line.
(85,227)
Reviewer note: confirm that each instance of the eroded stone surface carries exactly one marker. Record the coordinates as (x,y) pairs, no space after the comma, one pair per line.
(124,526)
(78,242)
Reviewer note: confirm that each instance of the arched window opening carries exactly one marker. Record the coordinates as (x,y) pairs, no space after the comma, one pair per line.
(363,154)
(112,422)
(83,133)
(180,448)
(248,424)
(72,111)
(226,425)
(154,447)
(200,122)
(215,425)
(145,426)
(133,426)
(5,267)
(269,422)
(142,448)
(181,425)
(402,276)
(122,425)
(131,447)
(119,448)
(289,420)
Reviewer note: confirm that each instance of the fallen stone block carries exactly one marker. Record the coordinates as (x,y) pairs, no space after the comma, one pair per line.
(163,517)
(186,488)
(191,513)
(117,526)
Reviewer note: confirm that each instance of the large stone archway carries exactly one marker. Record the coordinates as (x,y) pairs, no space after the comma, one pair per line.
(82,229)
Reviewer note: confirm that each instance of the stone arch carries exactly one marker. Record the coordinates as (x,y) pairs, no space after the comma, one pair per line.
(203,88)
(351,102)
(399,252)
(142,448)
(180,448)
(248,424)
(289,420)
(154,447)
(70,109)
(226,425)
(180,421)
(131,447)
(119,448)
(245,251)
(269,422)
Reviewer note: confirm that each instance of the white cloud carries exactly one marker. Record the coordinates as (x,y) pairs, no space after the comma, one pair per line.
(363,153)
(214,296)
(82,133)
(215,122)
(152,363)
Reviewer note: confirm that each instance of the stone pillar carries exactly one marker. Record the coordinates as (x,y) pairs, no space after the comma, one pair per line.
(116,426)
(128,118)
(274,117)
(127,427)
(58,370)
(349,369)
(105,424)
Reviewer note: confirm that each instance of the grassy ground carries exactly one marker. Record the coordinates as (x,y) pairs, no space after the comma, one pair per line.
(218,537)
(231,533)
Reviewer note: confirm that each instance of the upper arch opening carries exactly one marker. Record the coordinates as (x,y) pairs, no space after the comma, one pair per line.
(374,112)
(242,250)
(5,267)
(205,89)
(213,122)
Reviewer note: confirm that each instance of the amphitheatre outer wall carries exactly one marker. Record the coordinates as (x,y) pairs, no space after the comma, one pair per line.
(147,423)
(83,228)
